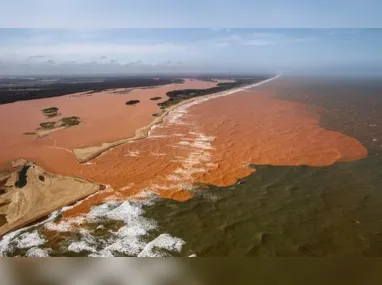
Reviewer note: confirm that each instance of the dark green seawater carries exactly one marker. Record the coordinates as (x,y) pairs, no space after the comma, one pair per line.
(296,211)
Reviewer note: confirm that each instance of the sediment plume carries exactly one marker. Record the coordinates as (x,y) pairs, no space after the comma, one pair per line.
(207,141)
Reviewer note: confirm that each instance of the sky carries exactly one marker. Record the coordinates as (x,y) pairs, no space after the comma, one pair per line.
(191,14)
(178,50)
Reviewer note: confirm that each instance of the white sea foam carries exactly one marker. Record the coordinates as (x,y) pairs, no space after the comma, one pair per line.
(164,241)
(157,154)
(133,153)
(27,240)
(37,252)
(65,225)
(6,240)
(79,246)
(129,239)
(14,237)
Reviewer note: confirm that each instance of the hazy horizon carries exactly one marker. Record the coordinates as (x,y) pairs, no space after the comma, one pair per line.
(28,52)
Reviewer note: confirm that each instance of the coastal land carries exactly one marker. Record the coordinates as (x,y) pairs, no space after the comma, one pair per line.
(28,193)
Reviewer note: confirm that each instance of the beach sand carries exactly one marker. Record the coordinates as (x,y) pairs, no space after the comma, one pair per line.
(30,193)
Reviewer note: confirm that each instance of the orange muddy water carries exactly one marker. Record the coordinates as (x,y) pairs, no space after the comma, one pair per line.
(212,142)
(104,118)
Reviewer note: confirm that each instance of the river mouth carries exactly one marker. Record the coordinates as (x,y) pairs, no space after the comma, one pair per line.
(208,199)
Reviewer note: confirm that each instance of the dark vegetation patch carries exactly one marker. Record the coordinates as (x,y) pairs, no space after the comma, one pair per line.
(64,122)
(22,181)
(155,98)
(177,96)
(30,133)
(47,125)
(123,92)
(13,90)
(50,112)
(132,102)
(69,121)
(41,178)
(156,115)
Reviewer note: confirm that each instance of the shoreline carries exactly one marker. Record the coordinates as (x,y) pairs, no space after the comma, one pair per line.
(28,203)
(87,154)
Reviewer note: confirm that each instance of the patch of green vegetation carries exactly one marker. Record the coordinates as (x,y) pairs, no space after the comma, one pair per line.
(177,96)
(156,115)
(155,98)
(132,102)
(70,121)
(29,133)
(64,122)
(50,112)
(47,125)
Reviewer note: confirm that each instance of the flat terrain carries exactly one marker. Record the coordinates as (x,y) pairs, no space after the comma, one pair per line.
(19,89)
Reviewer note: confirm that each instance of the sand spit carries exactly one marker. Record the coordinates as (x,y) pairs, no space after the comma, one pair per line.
(85,154)
(29,193)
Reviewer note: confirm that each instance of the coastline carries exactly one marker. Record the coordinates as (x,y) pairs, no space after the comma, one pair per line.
(39,193)
(87,154)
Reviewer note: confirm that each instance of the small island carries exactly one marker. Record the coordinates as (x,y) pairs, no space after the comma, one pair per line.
(64,122)
(132,102)
(52,126)
(50,112)
(155,98)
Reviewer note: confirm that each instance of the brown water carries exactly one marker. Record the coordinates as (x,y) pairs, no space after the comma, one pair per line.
(332,210)
(213,143)
(104,118)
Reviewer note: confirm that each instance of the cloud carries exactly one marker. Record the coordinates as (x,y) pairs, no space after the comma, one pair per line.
(89,49)
(261,39)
